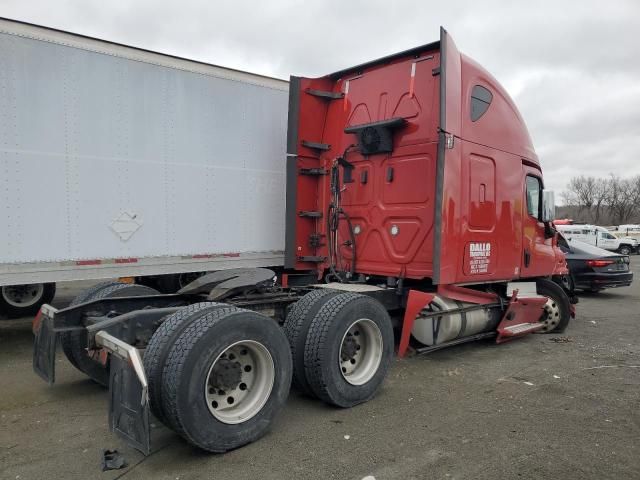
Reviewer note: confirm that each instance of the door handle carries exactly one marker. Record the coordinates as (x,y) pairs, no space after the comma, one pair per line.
(527,258)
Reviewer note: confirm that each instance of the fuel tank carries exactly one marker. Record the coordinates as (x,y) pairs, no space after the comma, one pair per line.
(450,326)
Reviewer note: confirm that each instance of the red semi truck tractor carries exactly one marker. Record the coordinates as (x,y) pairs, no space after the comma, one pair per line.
(416,216)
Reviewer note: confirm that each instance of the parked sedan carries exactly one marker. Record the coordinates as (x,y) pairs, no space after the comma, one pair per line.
(594,269)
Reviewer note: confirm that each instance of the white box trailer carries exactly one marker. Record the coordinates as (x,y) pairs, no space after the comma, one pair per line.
(117,161)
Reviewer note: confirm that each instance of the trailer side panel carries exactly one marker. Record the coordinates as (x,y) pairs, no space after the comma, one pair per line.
(109,152)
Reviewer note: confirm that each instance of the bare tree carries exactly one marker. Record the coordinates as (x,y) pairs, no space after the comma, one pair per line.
(599,193)
(580,193)
(620,198)
(613,200)
(588,195)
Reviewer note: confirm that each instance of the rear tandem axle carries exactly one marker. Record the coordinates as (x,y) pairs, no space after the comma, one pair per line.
(219,372)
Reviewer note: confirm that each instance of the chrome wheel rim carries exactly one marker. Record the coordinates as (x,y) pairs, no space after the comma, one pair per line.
(551,316)
(22,296)
(239,382)
(360,351)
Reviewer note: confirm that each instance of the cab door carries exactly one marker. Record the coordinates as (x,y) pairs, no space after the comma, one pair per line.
(607,241)
(590,237)
(538,257)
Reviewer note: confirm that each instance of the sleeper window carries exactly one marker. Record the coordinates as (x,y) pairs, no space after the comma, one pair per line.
(480,101)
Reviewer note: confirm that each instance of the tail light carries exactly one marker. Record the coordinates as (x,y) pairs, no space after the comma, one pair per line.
(600,263)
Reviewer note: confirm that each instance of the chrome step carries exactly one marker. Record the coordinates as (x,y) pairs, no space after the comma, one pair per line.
(520,328)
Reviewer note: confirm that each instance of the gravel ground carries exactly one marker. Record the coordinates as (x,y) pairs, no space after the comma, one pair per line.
(546,406)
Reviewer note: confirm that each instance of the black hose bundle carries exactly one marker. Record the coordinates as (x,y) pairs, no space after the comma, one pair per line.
(335,213)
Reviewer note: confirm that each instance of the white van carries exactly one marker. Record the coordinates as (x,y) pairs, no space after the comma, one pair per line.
(632,228)
(628,231)
(599,237)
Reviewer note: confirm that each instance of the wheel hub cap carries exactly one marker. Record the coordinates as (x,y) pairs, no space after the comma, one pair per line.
(239,382)
(551,315)
(226,374)
(349,348)
(22,295)
(361,351)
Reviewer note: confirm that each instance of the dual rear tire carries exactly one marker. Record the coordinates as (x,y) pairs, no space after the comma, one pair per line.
(218,375)
(341,345)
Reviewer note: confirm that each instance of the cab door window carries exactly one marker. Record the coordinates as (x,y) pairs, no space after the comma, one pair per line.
(534,190)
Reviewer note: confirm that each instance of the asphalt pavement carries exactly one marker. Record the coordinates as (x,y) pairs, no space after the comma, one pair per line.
(545,406)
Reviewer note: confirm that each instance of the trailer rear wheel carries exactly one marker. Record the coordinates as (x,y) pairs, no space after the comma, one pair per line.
(556,314)
(296,327)
(76,342)
(226,378)
(348,350)
(158,348)
(25,300)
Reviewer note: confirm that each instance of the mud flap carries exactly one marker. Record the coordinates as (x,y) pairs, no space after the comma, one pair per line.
(128,406)
(44,349)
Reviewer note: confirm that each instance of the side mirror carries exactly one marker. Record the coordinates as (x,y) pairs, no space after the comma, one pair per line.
(548,206)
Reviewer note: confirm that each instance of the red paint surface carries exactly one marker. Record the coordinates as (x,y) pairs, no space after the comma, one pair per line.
(563,221)
(35,325)
(483,196)
(126,260)
(520,310)
(81,263)
(416,301)
(381,92)
(468,295)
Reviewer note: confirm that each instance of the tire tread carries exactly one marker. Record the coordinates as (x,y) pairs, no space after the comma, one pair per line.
(174,364)
(296,324)
(317,343)
(65,337)
(157,349)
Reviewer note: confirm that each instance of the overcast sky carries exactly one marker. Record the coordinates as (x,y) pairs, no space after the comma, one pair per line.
(573,67)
